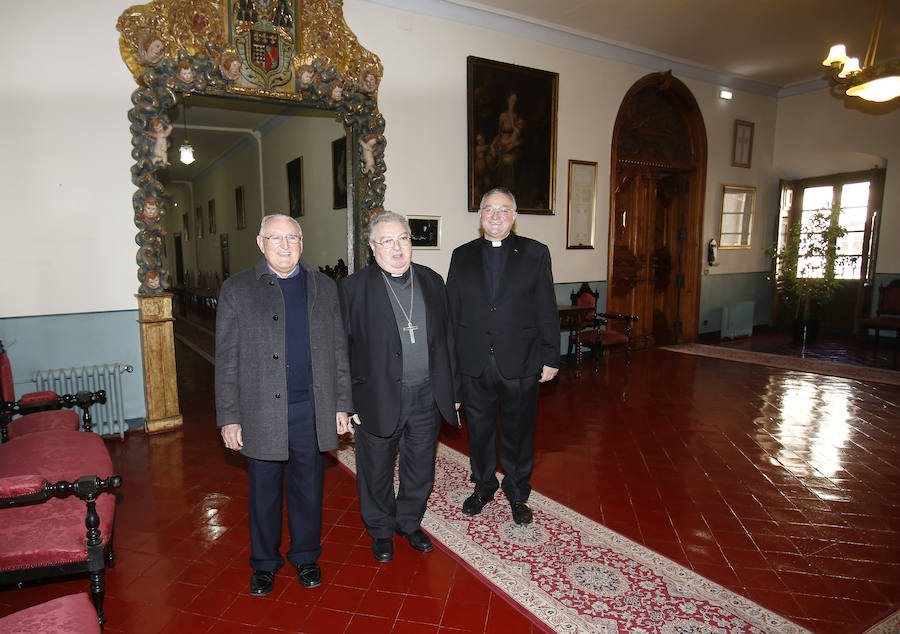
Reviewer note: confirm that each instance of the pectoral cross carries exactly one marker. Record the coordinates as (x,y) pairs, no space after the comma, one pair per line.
(410,328)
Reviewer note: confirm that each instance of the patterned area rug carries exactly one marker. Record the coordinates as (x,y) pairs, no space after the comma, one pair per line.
(571,574)
(799,364)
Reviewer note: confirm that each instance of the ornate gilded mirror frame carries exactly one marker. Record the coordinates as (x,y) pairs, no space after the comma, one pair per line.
(298,51)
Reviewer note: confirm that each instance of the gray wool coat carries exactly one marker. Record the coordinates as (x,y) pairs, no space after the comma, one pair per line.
(251,383)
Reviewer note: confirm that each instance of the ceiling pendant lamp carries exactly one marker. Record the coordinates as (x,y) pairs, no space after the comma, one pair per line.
(871,81)
(186,151)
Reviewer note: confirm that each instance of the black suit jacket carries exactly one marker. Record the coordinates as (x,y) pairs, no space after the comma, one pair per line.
(376,355)
(520,324)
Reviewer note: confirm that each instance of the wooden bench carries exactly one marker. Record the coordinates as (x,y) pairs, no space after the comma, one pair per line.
(55,518)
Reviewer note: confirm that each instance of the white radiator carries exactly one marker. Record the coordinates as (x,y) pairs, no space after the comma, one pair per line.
(108,418)
(737,320)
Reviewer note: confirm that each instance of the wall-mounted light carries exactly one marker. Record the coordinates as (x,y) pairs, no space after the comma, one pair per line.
(726,93)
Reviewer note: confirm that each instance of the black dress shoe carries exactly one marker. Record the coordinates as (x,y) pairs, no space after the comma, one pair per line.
(418,540)
(261,583)
(474,503)
(383,549)
(521,513)
(309,575)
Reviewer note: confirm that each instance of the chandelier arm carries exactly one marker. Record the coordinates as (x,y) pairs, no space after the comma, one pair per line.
(874,37)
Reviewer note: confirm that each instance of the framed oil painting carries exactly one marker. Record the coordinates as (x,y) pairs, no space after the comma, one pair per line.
(426,232)
(198,215)
(241,218)
(212,216)
(339,173)
(512,133)
(295,187)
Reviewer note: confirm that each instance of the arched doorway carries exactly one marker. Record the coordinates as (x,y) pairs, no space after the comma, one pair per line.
(657,190)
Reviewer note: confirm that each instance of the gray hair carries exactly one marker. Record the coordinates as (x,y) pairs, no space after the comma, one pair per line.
(387,216)
(262,225)
(498,190)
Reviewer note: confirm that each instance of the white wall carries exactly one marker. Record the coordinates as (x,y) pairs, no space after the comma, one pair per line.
(423,99)
(67,239)
(66,173)
(833,135)
(324,228)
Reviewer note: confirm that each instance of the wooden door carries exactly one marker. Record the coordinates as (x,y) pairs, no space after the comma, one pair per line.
(656,216)
(649,236)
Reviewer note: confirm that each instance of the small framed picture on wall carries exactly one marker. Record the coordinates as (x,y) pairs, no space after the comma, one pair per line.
(426,231)
(742,151)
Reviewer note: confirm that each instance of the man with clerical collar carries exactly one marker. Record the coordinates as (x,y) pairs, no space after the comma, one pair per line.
(403,370)
(503,309)
(282,395)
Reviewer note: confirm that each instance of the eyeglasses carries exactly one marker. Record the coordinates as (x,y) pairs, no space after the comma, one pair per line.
(389,243)
(292,238)
(499,211)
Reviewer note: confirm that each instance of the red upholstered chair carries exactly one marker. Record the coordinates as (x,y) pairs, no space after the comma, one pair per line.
(40,411)
(71,614)
(887,315)
(595,333)
(55,521)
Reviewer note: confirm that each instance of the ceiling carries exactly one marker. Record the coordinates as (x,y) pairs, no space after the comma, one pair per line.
(775,44)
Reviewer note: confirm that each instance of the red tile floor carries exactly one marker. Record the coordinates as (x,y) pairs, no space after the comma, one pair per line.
(780,486)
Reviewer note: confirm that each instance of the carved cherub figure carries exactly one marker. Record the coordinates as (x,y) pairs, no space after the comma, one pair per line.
(160,136)
(367,146)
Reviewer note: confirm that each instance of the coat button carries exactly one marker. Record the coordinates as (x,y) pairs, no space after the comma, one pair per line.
(275,317)
(396,354)
(493,309)
(275,356)
(277,395)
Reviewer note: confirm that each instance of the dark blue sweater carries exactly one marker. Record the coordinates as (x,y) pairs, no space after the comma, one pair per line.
(296,337)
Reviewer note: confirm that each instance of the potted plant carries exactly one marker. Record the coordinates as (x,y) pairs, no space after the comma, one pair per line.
(805,268)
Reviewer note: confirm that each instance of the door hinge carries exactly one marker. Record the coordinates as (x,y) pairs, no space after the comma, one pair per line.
(677,327)
(682,235)
(679,281)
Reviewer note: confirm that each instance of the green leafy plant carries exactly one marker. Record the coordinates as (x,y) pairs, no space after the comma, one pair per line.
(805,265)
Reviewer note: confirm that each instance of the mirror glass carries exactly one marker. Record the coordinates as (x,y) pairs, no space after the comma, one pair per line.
(738,202)
(251,158)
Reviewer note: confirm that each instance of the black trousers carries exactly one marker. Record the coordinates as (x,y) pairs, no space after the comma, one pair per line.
(516,402)
(301,477)
(416,436)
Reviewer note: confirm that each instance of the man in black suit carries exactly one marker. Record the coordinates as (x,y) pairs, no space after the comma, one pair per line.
(506,324)
(404,377)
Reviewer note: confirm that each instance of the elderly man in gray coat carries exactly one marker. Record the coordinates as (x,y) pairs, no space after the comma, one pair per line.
(282,395)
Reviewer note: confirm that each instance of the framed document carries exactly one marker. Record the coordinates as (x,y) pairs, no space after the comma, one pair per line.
(742,151)
(582,198)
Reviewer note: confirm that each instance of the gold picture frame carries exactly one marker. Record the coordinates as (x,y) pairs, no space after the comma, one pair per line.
(736,220)
(512,133)
(582,204)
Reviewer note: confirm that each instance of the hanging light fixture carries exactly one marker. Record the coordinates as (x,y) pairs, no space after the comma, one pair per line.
(871,81)
(186,151)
